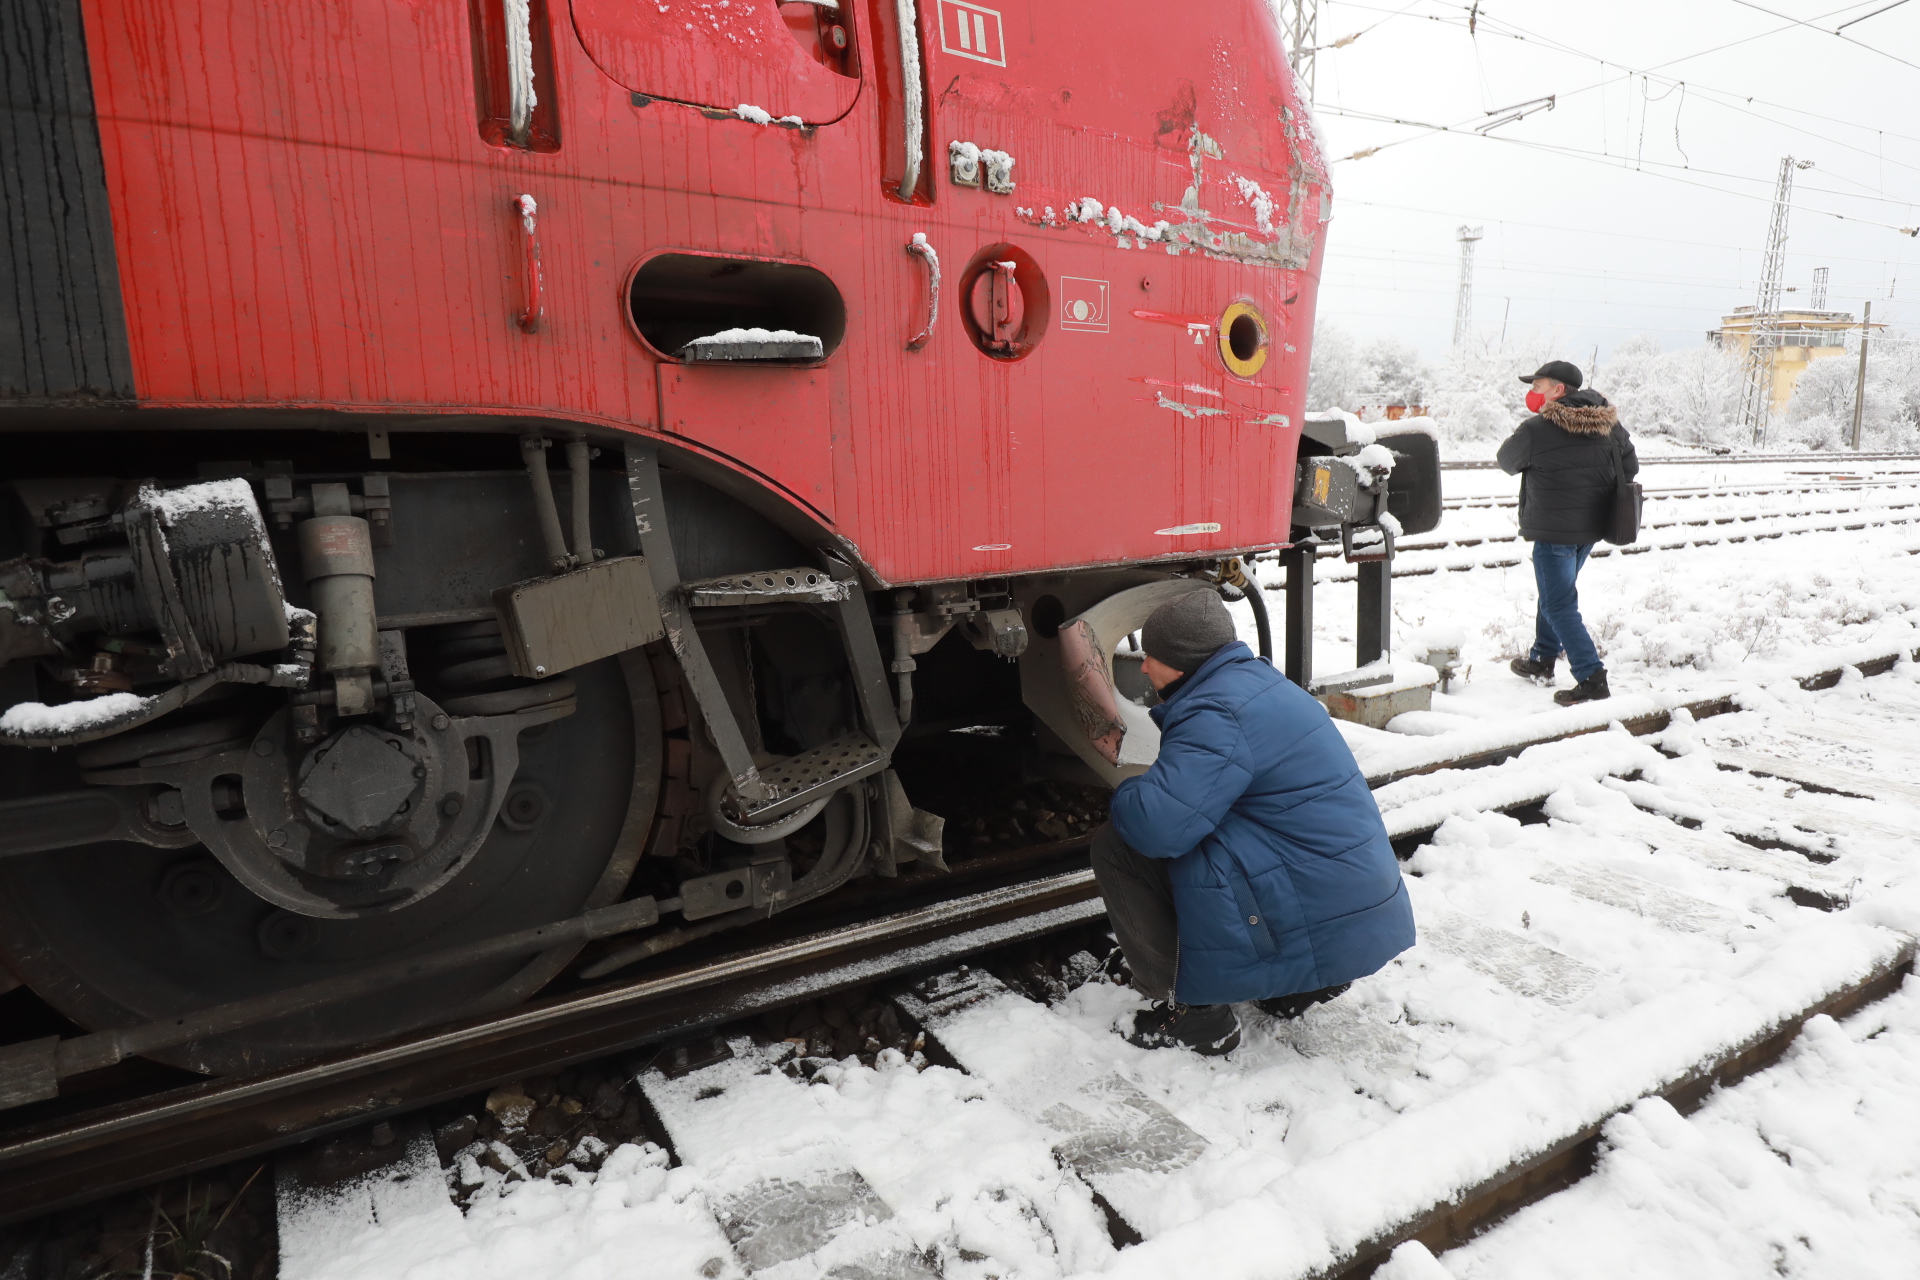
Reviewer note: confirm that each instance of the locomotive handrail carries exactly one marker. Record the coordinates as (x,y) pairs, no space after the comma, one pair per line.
(529,319)
(907,14)
(919,248)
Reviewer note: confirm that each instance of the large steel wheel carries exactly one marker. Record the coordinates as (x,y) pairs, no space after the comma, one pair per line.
(117,934)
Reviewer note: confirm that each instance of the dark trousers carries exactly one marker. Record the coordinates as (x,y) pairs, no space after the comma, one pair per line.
(1558,625)
(1140,909)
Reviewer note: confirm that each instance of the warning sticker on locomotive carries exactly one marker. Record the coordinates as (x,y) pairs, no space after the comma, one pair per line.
(1083,304)
(1182,530)
(972,32)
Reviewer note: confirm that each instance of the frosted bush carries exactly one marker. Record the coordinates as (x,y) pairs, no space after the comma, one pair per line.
(1342,374)
(1820,415)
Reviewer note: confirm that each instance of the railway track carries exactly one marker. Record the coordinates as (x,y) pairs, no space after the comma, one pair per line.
(1715,460)
(1509,502)
(1415,558)
(1756,837)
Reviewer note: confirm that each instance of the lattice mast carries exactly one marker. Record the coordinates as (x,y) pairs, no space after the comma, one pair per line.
(1301,18)
(1763,338)
(1463,304)
(1819,288)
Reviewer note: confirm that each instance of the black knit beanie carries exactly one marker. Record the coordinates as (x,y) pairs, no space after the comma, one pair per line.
(1187,630)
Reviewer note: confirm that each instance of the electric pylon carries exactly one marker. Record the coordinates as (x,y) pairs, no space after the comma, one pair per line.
(1763,338)
(1463,305)
(1301,19)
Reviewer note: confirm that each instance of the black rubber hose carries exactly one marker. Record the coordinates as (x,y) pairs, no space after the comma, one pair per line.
(1257,597)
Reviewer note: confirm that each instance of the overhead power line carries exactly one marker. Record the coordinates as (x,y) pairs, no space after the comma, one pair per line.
(1801,22)
(1623,164)
(1581,231)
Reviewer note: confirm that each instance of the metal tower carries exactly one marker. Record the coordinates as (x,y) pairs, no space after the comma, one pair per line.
(1819,288)
(1301,19)
(1463,306)
(1756,399)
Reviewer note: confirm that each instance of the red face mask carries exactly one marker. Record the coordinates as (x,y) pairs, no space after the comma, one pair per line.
(1536,401)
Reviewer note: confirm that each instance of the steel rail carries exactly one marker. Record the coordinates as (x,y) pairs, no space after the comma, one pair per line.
(1703,520)
(1484,502)
(91,1155)
(1776,459)
(1685,542)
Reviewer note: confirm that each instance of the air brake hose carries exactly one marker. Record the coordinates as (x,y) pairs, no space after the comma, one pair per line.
(1234,575)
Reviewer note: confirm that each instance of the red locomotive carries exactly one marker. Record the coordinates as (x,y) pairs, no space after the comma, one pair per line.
(471,464)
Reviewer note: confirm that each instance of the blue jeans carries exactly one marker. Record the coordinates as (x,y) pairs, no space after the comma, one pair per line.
(1557,624)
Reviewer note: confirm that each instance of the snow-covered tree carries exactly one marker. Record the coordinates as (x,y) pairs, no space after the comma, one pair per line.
(1820,415)
(1395,373)
(1691,395)
(1478,395)
(1336,375)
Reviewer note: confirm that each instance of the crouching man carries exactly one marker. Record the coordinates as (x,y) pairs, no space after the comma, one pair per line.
(1250,862)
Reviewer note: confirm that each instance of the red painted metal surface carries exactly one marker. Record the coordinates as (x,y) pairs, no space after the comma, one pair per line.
(308,211)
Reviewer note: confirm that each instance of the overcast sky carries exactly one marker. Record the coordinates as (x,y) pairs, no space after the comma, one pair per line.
(1640,203)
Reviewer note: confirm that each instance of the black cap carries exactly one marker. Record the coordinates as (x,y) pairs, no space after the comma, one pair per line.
(1559,371)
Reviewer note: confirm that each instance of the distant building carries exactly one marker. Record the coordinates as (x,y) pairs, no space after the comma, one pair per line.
(1390,412)
(1802,338)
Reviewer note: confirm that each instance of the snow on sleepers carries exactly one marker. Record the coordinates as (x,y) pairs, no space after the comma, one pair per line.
(1106,1129)
(1519,964)
(1819,777)
(781,1185)
(327,1194)
(1418,802)
(1639,714)
(1798,871)
(1437,1173)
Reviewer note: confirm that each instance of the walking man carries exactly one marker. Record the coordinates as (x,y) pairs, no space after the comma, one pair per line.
(1569,456)
(1250,862)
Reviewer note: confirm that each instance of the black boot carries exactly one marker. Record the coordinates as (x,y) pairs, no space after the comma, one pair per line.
(1592,689)
(1208,1029)
(1527,669)
(1294,1005)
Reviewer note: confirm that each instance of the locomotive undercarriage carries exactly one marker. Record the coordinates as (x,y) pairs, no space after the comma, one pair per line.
(303,754)
(279,730)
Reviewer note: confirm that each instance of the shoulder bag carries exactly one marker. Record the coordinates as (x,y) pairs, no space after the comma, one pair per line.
(1623,519)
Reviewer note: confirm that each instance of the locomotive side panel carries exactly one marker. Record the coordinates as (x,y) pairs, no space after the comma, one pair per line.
(307,215)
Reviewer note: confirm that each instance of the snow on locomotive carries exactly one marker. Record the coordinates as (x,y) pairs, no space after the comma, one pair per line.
(469,465)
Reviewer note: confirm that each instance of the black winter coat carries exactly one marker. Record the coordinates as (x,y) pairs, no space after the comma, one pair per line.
(1564,456)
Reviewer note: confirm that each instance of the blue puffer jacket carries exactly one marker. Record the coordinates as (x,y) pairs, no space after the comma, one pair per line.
(1283,878)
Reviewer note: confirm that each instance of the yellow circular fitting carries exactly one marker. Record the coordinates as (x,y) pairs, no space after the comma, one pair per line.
(1243,339)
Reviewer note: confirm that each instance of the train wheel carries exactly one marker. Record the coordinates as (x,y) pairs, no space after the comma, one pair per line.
(116,934)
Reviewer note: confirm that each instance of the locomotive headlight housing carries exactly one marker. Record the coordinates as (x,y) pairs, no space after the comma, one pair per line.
(1243,339)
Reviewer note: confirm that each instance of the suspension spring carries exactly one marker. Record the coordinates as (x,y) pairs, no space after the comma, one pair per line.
(471,665)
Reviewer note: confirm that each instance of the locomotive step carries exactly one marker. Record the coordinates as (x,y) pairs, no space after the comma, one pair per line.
(799,780)
(770,586)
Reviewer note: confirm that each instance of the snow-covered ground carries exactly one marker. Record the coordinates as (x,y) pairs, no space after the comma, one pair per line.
(1668,898)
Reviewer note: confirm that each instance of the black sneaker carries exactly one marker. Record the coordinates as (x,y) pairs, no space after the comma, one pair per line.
(1592,689)
(1527,669)
(1208,1029)
(1294,1005)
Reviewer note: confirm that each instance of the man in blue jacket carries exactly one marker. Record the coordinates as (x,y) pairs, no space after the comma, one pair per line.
(1250,862)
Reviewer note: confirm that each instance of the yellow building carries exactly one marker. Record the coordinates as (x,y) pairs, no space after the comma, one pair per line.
(1804,336)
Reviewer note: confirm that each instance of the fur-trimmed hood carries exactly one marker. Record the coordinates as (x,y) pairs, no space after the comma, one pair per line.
(1583,413)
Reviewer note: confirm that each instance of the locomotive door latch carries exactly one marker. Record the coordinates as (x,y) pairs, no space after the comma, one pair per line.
(1001,305)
